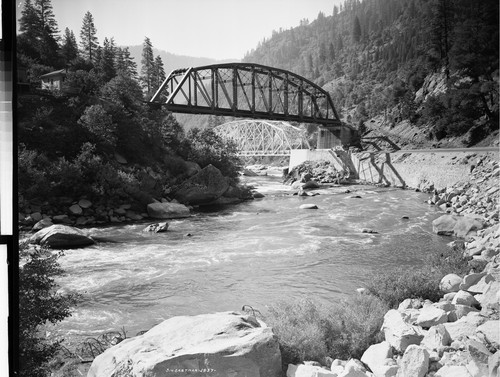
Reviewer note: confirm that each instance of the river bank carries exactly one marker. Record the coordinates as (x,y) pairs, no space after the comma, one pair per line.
(459,335)
(475,194)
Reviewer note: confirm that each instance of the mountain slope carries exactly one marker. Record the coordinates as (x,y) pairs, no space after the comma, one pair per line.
(374,56)
(172,61)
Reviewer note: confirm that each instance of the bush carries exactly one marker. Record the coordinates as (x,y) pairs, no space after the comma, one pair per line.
(396,285)
(100,124)
(307,330)
(39,304)
(205,147)
(450,261)
(31,173)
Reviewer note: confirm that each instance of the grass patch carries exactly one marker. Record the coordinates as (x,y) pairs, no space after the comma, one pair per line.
(308,330)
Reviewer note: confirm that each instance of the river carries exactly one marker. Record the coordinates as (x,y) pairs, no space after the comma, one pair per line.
(254,253)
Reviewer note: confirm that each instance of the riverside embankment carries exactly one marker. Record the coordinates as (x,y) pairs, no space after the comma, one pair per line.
(324,253)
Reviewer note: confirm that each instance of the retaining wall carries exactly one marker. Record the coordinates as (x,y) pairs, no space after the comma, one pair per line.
(401,169)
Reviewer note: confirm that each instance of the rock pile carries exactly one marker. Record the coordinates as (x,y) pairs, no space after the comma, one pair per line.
(205,186)
(318,171)
(460,334)
(35,215)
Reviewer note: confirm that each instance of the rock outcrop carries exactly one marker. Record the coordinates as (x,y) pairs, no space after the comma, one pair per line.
(220,344)
(202,188)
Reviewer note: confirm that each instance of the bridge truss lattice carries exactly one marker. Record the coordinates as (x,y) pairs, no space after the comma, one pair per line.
(247,90)
(255,137)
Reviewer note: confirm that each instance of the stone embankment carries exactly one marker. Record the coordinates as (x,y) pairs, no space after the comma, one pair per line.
(459,336)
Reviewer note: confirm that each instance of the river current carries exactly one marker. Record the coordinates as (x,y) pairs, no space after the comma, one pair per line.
(254,253)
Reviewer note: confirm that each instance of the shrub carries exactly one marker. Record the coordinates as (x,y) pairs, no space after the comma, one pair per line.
(205,147)
(396,285)
(123,91)
(357,322)
(39,304)
(450,261)
(307,330)
(100,124)
(31,173)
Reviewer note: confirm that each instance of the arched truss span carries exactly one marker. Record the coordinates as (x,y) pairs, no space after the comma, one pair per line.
(249,91)
(263,138)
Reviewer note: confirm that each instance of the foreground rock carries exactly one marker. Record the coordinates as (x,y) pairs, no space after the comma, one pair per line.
(168,210)
(219,344)
(61,237)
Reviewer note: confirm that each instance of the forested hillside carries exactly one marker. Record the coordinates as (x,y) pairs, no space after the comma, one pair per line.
(93,134)
(432,62)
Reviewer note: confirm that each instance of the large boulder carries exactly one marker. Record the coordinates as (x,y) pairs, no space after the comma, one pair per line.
(61,237)
(466,224)
(444,225)
(465,327)
(398,333)
(436,338)
(415,362)
(460,226)
(376,358)
(478,358)
(431,316)
(167,210)
(220,344)
(464,298)
(204,187)
(450,283)
(489,332)
(490,299)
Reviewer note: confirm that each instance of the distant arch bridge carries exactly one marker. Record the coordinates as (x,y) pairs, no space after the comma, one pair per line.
(262,137)
(249,91)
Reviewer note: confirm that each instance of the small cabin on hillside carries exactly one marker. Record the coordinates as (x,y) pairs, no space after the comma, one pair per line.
(54,80)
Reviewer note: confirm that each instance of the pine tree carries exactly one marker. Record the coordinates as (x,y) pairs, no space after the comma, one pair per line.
(439,42)
(88,39)
(107,61)
(331,53)
(69,49)
(48,23)
(148,66)
(27,40)
(356,31)
(322,53)
(125,64)
(28,20)
(38,32)
(159,73)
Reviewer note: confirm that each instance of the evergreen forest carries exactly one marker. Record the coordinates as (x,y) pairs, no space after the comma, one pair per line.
(386,57)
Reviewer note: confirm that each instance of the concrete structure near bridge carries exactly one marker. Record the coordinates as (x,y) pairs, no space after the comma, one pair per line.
(405,169)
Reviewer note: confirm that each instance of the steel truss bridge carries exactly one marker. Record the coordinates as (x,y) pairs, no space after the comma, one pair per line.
(263,138)
(247,90)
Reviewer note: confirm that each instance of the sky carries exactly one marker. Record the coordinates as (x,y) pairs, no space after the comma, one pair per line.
(217,29)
